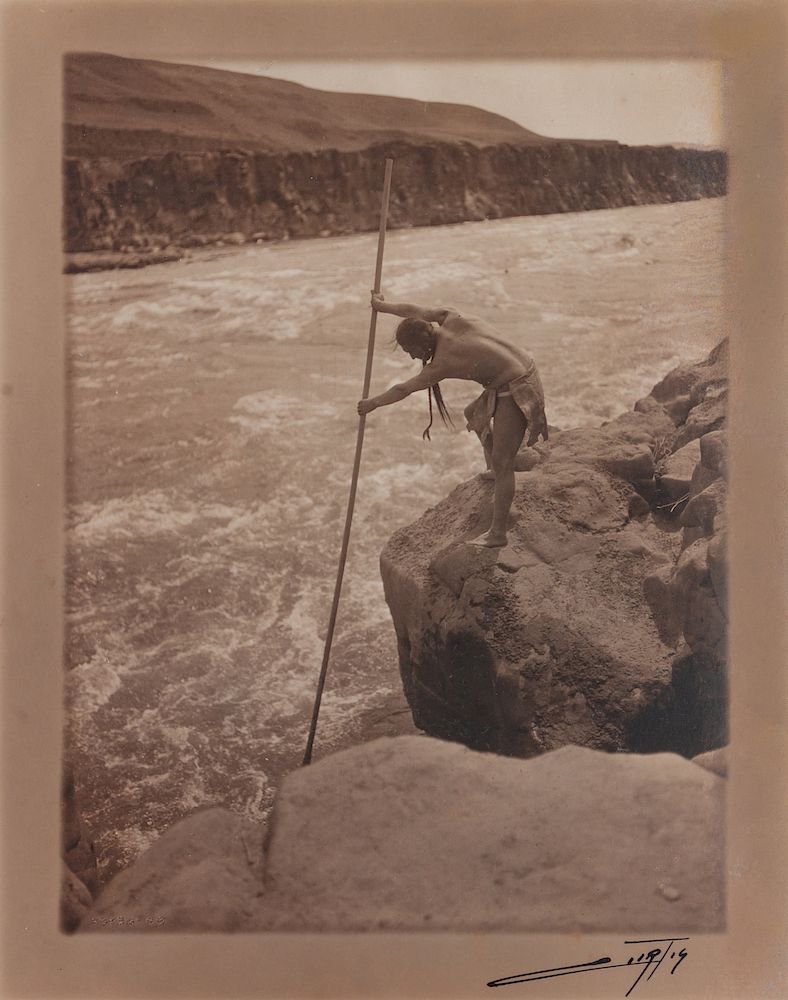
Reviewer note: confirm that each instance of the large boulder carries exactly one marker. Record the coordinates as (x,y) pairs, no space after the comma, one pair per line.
(79,870)
(203,874)
(692,595)
(708,397)
(714,452)
(694,395)
(75,900)
(548,641)
(79,852)
(696,591)
(570,634)
(715,761)
(675,475)
(418,834)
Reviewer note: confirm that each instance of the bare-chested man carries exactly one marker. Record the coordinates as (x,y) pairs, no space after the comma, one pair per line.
(453,346)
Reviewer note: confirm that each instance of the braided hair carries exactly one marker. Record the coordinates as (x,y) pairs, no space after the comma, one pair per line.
(411,332)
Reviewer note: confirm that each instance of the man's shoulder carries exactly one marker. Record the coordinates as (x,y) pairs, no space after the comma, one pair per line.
(449,315)
(458,322)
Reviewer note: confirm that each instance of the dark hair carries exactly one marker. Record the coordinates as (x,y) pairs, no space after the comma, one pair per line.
(411,332)
(445,415)
(417,332)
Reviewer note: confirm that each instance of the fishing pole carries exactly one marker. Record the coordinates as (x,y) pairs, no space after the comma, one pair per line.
(356,466)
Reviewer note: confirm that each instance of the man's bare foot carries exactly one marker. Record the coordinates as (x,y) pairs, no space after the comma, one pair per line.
(488,475)
(490,540)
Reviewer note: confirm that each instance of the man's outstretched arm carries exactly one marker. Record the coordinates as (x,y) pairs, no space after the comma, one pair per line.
(399,391)
(407,310)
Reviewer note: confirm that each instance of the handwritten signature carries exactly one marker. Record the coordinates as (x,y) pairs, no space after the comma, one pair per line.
(651,959)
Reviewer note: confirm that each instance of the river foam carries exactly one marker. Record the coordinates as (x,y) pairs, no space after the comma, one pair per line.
(213,426)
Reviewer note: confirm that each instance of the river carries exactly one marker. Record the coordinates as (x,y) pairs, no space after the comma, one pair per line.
(212,427)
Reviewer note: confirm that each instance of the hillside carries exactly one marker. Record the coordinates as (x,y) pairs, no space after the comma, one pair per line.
(128,108)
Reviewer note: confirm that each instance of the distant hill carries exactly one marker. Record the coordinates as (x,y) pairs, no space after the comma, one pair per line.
(129,108)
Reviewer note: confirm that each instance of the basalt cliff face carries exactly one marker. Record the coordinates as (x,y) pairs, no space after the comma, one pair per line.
(191,198)
(603,621)
(160,156)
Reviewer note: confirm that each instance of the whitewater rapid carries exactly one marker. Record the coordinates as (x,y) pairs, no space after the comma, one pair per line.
(212,426)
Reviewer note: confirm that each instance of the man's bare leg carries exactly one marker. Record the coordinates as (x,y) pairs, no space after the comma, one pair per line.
(487,445)
(509,427)
(486,441)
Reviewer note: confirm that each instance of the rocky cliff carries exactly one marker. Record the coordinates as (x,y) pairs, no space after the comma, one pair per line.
(192,198)
(603,620)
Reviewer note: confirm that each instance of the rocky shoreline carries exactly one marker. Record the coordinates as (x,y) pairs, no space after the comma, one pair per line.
(584,668)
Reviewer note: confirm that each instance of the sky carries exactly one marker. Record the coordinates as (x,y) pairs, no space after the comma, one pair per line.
(634,101)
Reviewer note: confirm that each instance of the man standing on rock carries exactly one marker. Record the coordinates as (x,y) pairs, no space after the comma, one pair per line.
(453,346)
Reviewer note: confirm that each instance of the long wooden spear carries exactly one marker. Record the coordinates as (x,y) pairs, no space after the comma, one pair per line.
(384,211)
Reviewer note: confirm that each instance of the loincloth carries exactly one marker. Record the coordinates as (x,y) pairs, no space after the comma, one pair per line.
(526,390)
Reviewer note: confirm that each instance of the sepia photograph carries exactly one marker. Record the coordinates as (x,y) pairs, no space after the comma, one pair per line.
(399,409)
(528,652)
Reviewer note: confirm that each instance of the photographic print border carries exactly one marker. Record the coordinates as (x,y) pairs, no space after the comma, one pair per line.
(749,38)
